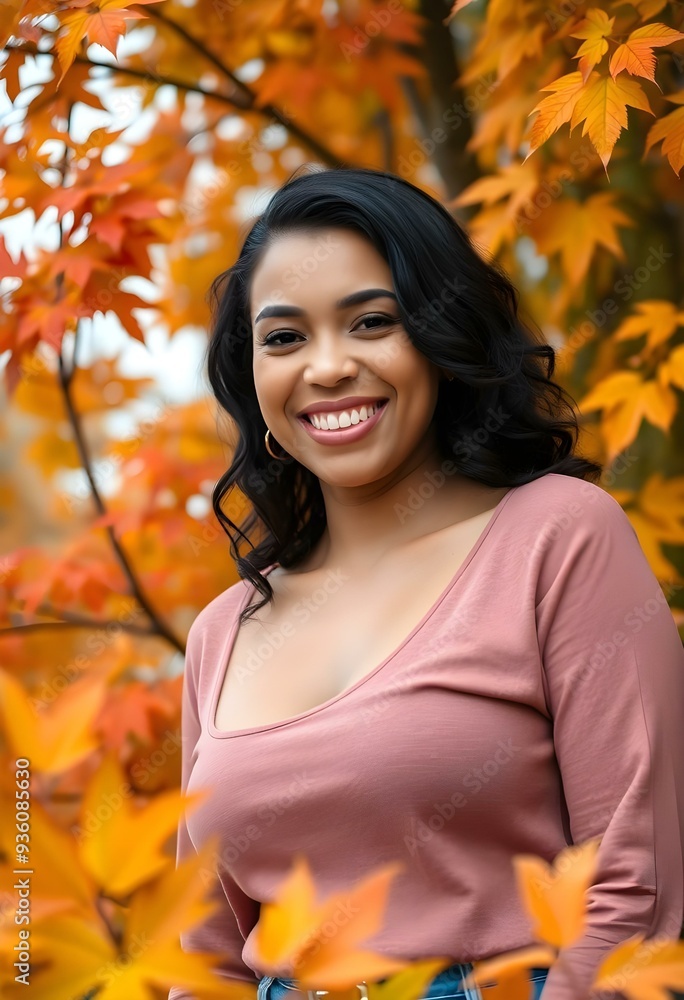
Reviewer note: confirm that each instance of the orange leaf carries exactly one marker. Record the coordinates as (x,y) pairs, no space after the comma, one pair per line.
(626,400)
(636,54)
(554,895)
(669,130)
(657,318)
(643,969)
(602,106)
(59,736)
(576,230)
(291,930)
(506,976)
(104,25)
(106,834)
(594,29)
(556,109)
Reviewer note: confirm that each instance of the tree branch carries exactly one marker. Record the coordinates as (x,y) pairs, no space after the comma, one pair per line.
(321,150)
(65,377)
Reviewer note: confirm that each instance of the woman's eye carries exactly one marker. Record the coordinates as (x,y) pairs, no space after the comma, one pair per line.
(273,337)
(384,320)
(381,320)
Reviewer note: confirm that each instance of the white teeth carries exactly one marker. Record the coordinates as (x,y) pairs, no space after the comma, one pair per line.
(343,418)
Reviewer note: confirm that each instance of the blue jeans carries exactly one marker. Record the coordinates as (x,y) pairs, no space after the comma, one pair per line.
(445,984)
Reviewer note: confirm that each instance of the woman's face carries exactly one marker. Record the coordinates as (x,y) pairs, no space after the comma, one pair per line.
(312,350)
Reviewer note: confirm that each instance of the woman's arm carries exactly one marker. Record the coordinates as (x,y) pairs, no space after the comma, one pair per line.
(219,933)
(613,672)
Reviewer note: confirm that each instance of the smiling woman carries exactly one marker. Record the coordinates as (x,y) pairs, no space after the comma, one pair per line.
(441,664)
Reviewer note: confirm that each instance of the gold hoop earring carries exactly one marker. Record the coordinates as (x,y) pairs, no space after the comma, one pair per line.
(281,458)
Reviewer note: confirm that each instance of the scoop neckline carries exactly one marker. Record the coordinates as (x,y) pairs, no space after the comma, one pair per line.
(231,639)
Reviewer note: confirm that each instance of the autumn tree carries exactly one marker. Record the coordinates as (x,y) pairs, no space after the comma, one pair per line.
(136,140)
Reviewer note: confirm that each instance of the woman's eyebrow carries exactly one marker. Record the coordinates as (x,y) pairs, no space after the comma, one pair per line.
(348,300)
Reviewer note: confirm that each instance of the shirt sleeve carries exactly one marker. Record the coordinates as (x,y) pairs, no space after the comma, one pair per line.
(613,676)
(219,933)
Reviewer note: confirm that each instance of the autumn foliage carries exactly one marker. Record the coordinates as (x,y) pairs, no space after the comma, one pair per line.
(135,140)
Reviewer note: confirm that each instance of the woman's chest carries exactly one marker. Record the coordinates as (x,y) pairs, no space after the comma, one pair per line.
(316,645)
(326,632)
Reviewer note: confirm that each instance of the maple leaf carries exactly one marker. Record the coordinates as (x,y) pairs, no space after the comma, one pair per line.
(106,852)
(506,976)
(291,935)
(657,318)
(625,400)
(670,130)
(661,501)
(105,24)
(594,28)
(643,969)
(576,230)
(556,109)
(636,54)
(602,106)
(554,896)
(671,371)
(518,181)
(59,736)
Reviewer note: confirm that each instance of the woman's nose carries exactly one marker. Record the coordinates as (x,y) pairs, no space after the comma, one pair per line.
(328,361)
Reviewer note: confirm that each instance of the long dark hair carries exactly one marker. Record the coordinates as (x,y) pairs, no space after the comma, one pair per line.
(502,421)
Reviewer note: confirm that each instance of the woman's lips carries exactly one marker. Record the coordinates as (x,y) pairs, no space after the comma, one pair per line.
(345,435)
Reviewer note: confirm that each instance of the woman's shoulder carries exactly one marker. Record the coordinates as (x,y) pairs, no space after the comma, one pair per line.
(556,497)
(220,612)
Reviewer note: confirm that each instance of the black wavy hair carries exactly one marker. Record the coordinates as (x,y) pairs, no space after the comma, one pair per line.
(500,367)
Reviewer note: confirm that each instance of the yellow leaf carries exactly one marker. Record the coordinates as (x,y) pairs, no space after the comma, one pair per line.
(506,971)
(520,44)
(59,736)
(79,953)
(576,231)
(643,969)
(626,400)
(594,29)
(556,109)
(411,983)
(52,452)
(636,54)
(291,933)
(111,821)
(657,318)
(671,371)
(602,106)
(554,895)
(161,909)
(669,130)
(517,181)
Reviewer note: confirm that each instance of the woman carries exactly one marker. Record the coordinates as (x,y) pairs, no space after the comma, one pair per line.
(460,653)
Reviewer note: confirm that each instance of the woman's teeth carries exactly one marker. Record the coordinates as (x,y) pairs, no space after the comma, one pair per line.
(343,418)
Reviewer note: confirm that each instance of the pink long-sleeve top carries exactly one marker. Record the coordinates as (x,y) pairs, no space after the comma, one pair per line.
(538,703)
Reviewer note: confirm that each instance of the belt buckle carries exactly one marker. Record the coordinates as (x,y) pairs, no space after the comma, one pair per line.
(361,987)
